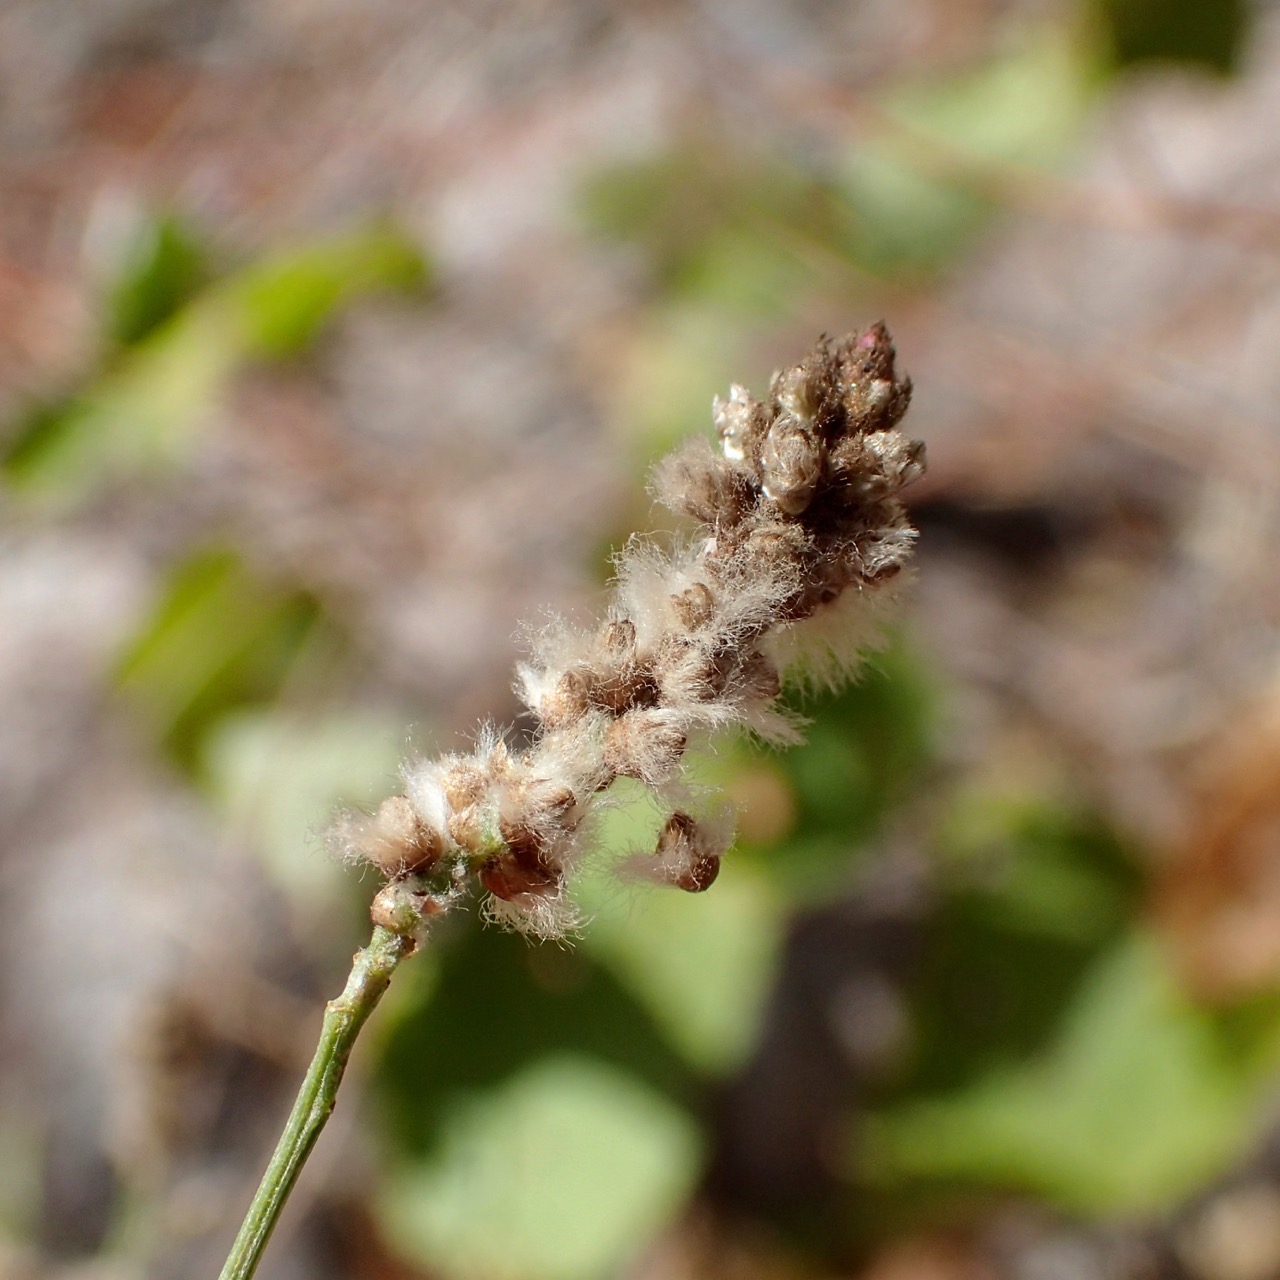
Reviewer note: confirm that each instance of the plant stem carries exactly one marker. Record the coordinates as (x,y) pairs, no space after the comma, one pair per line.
(370,976)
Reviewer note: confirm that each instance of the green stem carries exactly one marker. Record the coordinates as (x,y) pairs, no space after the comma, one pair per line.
(370,976)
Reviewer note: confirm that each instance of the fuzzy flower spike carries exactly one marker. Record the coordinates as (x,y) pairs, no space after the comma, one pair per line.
(799,529)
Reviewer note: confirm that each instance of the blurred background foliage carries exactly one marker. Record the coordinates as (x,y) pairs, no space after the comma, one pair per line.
(333,344)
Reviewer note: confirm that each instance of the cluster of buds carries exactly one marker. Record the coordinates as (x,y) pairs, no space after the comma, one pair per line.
(799,527)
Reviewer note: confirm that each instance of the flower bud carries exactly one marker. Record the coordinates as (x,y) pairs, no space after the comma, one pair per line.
(646,745)
(697,482)
(688,854)
(619,637)
(875,398)
(779,553)
(695,606)
(567,701)
(626,686)
(872,467)
(738,423)
(521,868)
(464,784)
(403,909)
(791,464)
(809,391)
(395,839)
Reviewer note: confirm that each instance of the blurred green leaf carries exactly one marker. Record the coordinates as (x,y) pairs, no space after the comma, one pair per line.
(217,640)
(142,413)
(1040,868)
(493,1004)
(24,1143)
(866,746)
(1211,34)
(723,227)
(281,302)
(914,204)
(749,271)
(138,416)
(864,753)
(562,1173)
(1031,895)
(1137,1104)
(165,268)
(1026,107)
